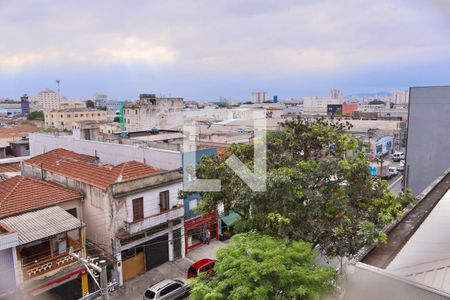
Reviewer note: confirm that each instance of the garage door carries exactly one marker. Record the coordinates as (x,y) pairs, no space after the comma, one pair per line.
(157,251)
(133,266)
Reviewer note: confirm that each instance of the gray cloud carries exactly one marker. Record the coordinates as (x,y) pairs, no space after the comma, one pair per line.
(258,38)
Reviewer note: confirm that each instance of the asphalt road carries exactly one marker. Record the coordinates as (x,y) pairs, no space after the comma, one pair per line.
(395,182)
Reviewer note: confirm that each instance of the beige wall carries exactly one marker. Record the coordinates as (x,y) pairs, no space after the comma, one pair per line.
(65,119)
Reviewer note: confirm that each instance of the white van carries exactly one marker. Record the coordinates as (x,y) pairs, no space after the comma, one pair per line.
(398,156)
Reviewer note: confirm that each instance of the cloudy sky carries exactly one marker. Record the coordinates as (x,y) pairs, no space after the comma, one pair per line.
(206,49)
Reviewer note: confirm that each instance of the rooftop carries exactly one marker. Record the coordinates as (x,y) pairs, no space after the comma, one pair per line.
(40,224)
(85,168)
(76,109)
(60,154)
(382,256)
(20,194)
(10,167)
(17,131)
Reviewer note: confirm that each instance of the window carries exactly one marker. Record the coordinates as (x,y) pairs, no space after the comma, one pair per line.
(193,204)
(98,115)
(208,267)
(150,294)
(72,211)
(136,111)
(68,116)
(138,209)
(76,115)
(170,289)
(164,200)
(81,115)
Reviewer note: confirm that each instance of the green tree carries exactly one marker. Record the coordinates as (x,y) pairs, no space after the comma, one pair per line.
(90,104)
(315,193)
(117,119)
(338,112)
(376,102)
(256,266)
(36,115)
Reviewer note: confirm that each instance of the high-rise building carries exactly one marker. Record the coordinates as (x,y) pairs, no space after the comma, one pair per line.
(48,99)
(400,97)
(336,94)
(259,97)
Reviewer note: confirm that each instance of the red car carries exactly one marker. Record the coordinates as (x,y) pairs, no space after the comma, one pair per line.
(203,265)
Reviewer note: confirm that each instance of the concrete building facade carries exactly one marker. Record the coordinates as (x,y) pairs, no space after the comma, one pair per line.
(64,119)
(152,112)
(318,105)
(259,97)
(131,210)
(48,99)
(428,138)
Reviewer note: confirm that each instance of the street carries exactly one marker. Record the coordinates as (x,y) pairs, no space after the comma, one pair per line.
(136,287)
(394,183)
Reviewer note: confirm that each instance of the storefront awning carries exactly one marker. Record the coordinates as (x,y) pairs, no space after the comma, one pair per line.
(230,218)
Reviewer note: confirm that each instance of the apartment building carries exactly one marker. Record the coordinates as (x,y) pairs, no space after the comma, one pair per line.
(48,99)
(39,222)
(259,97)
(153,112)
(131,209)
(64,119)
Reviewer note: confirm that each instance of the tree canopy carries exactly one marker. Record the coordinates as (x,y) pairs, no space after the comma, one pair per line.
(315,191)
(36,115)
(376,102)
(256,266)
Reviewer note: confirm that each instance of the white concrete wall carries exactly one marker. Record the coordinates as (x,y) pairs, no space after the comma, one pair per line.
(107,152)
(151,200)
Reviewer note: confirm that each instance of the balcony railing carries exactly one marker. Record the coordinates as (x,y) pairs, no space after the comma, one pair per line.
(46,265)
(154,220)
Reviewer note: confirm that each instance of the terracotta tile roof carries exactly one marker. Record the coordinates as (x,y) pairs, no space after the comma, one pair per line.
(60,154)
(133,169)
(10,167)
(17,131)
(87,170)
(20,194)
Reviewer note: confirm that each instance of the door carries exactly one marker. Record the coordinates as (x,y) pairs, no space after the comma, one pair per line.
(133,266)
(177,243)
(157,251)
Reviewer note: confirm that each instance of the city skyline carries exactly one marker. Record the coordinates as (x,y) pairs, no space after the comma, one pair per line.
(202,50)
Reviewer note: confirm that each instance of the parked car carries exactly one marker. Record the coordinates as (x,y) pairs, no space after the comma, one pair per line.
(167,289)
(401,166)
(393,172)
(203,265)
(398,156)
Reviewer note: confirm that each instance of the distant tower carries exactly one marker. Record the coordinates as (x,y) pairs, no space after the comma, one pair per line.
(59,92)
(25,105)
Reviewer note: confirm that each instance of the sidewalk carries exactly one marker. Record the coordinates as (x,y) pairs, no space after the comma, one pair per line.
(136,287)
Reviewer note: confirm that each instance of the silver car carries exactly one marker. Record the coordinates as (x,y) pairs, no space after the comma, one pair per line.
(167,289)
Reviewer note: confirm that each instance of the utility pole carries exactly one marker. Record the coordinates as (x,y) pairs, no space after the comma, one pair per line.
(104,280)
(90,266)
